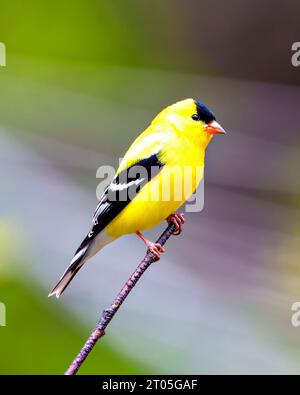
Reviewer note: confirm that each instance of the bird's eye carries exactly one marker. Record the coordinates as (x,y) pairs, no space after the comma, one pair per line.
(195,117)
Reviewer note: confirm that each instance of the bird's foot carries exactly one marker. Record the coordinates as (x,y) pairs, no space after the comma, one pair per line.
(155,248)
(178,220)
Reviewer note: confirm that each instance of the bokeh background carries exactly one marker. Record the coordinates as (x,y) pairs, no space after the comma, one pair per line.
(83,78)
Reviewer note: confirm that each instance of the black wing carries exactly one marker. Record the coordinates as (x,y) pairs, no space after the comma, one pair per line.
(122,190)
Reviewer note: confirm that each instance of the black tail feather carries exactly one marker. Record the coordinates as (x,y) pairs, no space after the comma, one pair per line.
(77,262)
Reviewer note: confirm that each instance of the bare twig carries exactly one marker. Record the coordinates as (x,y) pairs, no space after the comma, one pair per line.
(109,313)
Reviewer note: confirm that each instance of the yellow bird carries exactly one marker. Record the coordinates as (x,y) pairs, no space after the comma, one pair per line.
(159,172)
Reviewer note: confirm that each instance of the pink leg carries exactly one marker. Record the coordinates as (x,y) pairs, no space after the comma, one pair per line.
(178,221)
(155,248)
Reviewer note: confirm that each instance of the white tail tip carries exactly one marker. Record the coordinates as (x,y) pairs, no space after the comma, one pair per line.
(55,293)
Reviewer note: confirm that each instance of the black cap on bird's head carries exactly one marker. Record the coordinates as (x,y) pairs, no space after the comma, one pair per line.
(208,117)
(204,113)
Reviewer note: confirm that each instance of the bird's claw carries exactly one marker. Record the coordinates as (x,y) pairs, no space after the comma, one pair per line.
(156,249)
(178,221)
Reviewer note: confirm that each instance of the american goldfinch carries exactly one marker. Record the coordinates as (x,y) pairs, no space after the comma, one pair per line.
(145,188)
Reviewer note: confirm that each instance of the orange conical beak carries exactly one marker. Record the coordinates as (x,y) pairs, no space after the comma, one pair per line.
(215,128)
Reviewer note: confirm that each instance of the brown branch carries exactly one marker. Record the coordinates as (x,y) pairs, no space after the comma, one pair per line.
(109,313)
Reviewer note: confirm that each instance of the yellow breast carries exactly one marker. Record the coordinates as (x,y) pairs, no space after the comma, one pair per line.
(164,194)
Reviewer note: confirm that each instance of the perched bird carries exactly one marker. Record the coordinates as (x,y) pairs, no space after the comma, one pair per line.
(152,181)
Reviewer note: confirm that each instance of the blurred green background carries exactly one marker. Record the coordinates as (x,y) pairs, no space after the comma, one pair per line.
(83,78)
